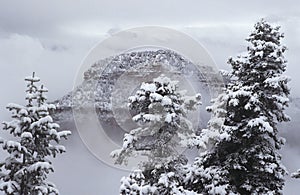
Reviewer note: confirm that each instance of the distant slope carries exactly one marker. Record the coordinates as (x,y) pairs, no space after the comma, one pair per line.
(95,91)
(98,85)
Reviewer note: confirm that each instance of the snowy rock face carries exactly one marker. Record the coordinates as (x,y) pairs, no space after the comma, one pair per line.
(99,96)
(99,81)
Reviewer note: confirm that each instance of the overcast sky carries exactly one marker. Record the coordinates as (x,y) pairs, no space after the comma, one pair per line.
(53,37)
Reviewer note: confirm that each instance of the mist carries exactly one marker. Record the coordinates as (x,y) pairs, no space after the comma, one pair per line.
(52,39)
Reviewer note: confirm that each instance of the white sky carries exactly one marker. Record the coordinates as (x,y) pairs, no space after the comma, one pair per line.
(53,37)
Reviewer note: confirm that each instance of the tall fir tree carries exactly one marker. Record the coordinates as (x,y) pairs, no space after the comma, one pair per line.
(37,138)
(161,112)
(245,158)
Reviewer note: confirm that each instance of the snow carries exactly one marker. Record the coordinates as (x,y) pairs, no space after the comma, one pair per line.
(58,148)
(296,174)
(270,167)
(14,124)
(26,120)
(155,97)
(147,189)
(152,117)
(51,106)
(162,79)
(141,92)
(33,79)
(191,101)
(261,122)
(220,190)
(281,99)
(141,98)
(166,101)
(147,117)
(40,165)
(9,186)
(190,140)
(64,134)
(243,91)
(148,87)
(23,112)
(270,44)
(41,190)
(169,117)
(13,144)
(41,121)
(116,153)
(53,132)
(234,102)
(247,106)
(53,126)
(127,141)
(14,106)
(259,53)
(164,179)
(241,58)
(35,115)
(132,99)
(42,88)
(30,96)
(275,81)
(26,135)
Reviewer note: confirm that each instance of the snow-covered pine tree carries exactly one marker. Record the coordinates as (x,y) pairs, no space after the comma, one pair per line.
(196,175)
(246,159)
(296,174)
(37,137)
(161,112)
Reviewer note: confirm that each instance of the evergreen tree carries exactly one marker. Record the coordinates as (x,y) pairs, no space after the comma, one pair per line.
(296,174)
(26,168)
(245,158)
(161,112)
